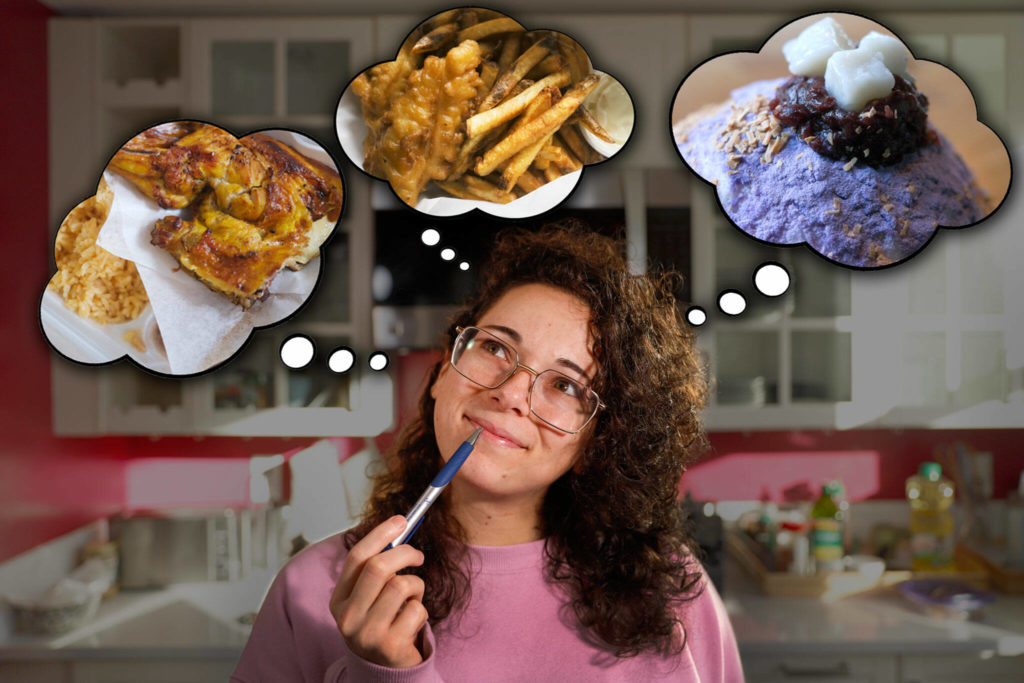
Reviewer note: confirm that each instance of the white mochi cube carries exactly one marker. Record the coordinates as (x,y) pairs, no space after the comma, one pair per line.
(808,53)
(894,53)
(853,77)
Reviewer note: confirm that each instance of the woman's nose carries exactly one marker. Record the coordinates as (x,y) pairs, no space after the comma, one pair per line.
(514,394)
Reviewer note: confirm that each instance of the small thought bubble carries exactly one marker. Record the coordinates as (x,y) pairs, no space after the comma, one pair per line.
(297,351)
(378,360)
(448,254)
(732,302)
(464,265)
(430,237)
(771,279)
(341,360)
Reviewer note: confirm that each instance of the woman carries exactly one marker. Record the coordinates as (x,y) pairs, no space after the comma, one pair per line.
(558,551)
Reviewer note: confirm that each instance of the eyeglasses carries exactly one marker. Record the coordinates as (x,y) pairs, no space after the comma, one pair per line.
(483,358)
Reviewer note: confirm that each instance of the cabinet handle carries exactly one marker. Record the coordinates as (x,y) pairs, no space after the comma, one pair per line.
(840,668)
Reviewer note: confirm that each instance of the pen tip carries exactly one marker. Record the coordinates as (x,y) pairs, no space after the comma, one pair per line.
(472,440)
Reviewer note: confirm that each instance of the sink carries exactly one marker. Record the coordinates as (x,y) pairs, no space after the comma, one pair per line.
(178,624)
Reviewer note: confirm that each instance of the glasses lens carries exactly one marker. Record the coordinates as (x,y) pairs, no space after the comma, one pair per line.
(483,358)
(562,401)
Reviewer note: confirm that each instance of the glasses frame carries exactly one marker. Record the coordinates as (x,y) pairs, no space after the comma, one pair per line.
(533,382)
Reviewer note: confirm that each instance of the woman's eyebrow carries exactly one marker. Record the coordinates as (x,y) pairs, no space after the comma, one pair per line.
(507,331)
(565,362)
(518,339)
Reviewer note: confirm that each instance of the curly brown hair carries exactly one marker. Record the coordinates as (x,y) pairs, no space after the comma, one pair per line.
(615,535)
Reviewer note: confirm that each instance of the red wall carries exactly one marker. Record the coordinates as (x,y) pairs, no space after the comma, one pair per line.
(51,485)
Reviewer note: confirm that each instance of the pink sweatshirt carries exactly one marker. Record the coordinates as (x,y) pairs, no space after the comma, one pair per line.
(514,629)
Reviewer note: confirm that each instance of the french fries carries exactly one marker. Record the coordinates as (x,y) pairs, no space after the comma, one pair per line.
(544,125)
(520,130)
(479,124)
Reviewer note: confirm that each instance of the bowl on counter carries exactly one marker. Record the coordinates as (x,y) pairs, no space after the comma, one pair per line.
(945,598)
(38,619)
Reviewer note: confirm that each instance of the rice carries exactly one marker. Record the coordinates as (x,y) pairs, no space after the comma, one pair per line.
(93,282)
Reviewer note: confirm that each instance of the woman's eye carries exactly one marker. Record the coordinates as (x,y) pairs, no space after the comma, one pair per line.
(494,348)
(567,387)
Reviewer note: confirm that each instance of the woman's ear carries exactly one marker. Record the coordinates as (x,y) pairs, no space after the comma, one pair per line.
(440,375)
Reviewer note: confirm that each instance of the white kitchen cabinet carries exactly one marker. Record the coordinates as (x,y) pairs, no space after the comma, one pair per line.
(821,669)
(935,342)
(110,78)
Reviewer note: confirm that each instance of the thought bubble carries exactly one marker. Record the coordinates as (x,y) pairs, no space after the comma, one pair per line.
(297,351)
(474,113)
(696,316)
(771,279)
(341,360)
(732,302)
(859,187)
(199,238)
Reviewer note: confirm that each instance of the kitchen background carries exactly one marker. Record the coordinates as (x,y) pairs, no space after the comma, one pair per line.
(854,376)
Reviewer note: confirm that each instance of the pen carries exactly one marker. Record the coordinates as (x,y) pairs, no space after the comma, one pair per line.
(415,516)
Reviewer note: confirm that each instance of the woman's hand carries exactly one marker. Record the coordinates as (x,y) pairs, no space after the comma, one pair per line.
(378,611)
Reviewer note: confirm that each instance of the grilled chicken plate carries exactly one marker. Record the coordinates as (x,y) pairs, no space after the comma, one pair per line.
(257,205)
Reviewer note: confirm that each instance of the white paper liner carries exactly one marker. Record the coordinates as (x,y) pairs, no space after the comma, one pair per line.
(200,328)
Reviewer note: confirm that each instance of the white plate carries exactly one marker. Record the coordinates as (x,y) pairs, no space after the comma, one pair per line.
(86,341)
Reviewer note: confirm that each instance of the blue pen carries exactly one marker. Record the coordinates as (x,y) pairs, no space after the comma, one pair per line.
(415,516)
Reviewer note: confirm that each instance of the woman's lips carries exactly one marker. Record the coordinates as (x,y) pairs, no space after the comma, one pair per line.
(494,433)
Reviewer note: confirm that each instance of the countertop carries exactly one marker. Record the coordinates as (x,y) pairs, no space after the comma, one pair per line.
(201,621)
(186,621)
(880,621)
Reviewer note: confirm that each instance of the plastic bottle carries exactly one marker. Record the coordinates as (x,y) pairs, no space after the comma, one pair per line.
(827,531)
(931,521)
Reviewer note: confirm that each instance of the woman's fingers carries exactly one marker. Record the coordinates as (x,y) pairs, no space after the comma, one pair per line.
(378,611)
(399,590)
(410,620)
(367,547)
(377,573)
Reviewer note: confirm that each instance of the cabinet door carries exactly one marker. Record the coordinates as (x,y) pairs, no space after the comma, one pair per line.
(967,667)
(821,669)
(159,671)
(255,73)
(36,672)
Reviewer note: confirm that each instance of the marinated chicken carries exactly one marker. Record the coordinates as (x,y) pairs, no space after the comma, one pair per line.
(257,205)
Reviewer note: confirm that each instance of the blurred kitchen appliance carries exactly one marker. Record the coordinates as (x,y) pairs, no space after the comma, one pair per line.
(415,290)
(159,548)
